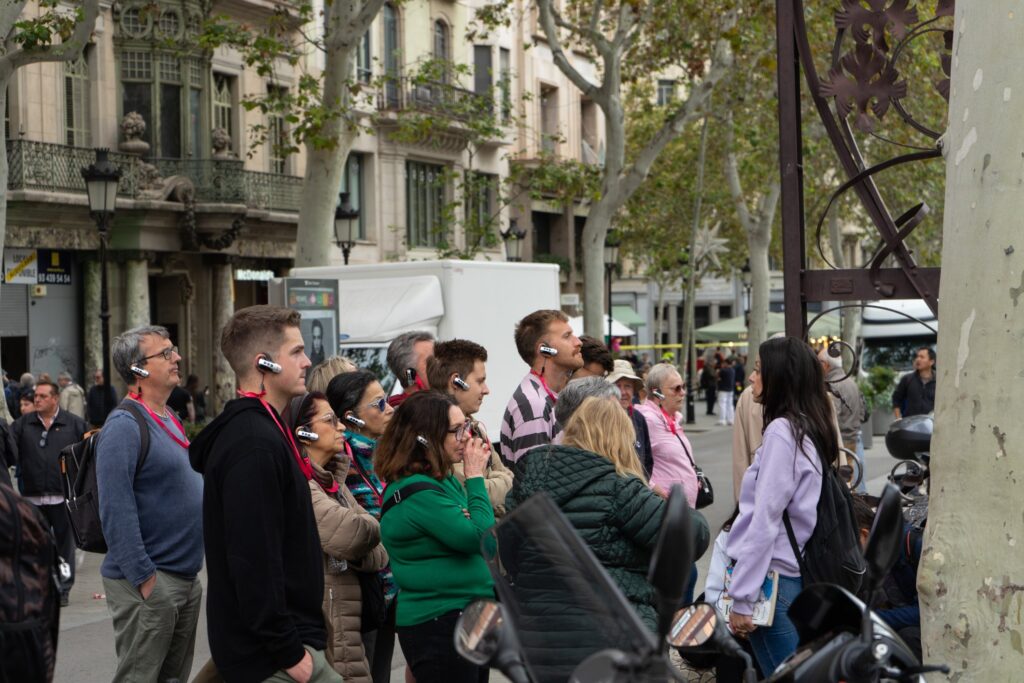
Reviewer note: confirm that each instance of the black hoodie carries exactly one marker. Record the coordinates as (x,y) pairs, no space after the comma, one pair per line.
(263,557)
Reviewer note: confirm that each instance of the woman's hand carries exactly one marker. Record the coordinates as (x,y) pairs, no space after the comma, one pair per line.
(475,458)
(659,491)
(741,624)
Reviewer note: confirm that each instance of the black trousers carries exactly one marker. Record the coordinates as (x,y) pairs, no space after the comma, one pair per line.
(57,516)
(710,396)
(429,648)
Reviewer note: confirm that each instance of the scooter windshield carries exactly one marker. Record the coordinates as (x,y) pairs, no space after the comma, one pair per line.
(563,605)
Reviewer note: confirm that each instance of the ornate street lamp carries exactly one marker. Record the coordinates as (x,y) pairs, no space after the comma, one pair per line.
(101,181)
(513,239)
(346,226)
(611,260)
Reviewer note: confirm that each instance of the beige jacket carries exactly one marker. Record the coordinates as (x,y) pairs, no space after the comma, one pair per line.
(746,436)
(349,533)
(497,479)
(72,399)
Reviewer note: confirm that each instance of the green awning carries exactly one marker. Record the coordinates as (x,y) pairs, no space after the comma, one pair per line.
(735,329)
(627,316)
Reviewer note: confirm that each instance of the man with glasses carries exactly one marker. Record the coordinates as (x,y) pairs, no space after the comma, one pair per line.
(151,508)
(40,436)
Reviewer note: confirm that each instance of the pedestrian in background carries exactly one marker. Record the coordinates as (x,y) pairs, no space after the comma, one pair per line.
(725,388)
(433,537)
(99,401)
(27,402)
(915,392)
(40,436)
(707,385)
(151,507)
(848,405)
(72,396)
(597,359)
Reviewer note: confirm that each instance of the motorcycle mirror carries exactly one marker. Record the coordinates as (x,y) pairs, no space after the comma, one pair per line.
(484,637)
(883,546)
(693,626)
(671,560)
(478,632)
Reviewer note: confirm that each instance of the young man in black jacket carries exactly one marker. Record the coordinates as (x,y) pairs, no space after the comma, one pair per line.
(263,557)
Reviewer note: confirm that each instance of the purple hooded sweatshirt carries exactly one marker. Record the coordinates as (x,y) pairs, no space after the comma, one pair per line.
(782,477)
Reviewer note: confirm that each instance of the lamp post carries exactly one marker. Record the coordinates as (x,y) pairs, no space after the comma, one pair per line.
(611,260)
(101,180)
(513,239)
(346,220)
(747,278)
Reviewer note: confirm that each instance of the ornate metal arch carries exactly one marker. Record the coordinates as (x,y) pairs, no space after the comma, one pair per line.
(862,85)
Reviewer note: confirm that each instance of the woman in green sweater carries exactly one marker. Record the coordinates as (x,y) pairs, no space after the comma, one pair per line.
(433,535)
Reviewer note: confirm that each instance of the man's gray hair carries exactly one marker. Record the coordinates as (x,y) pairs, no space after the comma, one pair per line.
(657,375)
(576,391)
(402,353)
(125,351)
(65,375)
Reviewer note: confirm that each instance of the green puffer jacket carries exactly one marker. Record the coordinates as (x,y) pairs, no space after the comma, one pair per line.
(618,517)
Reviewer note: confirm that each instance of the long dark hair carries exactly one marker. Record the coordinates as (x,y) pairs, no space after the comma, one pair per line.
(793,387)
(399,453)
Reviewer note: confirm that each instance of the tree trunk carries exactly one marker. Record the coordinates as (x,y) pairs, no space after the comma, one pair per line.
(325,165)
(971,578)
(849,318)
(594,233)
(760,289)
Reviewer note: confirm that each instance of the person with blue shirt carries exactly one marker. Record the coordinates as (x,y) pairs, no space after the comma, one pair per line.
(151,507)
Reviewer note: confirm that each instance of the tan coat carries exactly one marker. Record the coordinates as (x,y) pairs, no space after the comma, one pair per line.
(497,479)
(349,533)
(746,436)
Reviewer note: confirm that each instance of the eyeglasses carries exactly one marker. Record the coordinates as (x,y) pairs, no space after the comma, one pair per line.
(329,418)
(167,353)
(42,438)
(380,404)
(461,431)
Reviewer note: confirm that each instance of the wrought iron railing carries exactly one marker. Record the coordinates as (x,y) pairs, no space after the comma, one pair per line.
(58,168)
(415,94)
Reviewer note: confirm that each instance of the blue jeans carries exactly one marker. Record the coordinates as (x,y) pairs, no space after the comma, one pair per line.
(772,644)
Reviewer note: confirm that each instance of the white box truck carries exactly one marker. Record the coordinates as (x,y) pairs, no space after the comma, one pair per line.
(476,300)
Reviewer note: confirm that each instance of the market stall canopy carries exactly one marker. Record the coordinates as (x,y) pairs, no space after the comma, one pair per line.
(735,329)
(618,329)
(627,316)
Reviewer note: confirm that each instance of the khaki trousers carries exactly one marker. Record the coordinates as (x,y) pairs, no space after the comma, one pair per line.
(155,638)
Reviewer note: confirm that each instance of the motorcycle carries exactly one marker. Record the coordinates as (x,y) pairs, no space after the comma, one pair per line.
(562,618)
(909,441)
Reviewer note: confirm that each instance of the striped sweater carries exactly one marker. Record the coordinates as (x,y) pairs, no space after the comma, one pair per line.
(529,419)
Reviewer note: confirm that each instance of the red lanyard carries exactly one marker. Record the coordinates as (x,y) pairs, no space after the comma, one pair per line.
(543,383)
(671,423)
(170,413)
(303,460)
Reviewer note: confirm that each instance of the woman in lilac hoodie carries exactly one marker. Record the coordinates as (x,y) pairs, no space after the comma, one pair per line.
(799,441)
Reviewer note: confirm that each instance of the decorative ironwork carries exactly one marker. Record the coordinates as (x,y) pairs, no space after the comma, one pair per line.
(864,83)
(415,94)
(56,168)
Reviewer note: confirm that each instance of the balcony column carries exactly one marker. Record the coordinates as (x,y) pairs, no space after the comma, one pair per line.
(136,283)
(92,337)
(223,309)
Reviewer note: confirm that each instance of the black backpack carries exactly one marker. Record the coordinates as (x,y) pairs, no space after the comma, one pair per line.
(832,553)
(29,595)
(81,495)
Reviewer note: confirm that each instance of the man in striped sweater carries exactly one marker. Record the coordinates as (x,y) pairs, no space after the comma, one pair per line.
(547,344)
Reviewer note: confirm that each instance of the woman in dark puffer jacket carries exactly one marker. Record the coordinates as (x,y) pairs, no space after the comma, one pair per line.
(596,480)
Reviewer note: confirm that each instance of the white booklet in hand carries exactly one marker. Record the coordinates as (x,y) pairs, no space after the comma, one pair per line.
(764,608)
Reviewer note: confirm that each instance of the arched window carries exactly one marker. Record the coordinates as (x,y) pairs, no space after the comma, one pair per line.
(442,46)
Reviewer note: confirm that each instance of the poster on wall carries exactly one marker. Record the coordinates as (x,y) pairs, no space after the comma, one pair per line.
(317,301)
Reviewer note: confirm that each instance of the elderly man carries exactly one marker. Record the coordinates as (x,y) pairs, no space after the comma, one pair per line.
(407,359)
(72,396)
(849,407)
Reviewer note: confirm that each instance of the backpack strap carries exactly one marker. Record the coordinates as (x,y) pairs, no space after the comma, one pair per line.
(795,546)
(407,491)
(129,406)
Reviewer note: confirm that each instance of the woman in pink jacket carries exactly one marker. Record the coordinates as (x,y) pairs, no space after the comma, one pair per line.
(673,456)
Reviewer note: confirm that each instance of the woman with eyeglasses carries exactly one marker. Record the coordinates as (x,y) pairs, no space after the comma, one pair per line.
(673,455)
(359,402)
(349,535)
(432,530)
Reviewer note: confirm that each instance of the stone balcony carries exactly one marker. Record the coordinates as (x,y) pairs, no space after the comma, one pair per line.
(47,167)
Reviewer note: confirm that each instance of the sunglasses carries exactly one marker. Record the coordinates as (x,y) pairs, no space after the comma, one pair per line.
(167,353)
(42,438)
(380,404)
(329,418)
(677,388)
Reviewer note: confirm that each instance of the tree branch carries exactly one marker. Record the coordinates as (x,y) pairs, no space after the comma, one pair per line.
(637,27)
(65,51)
(732,175)
(625,23)
(687,112)
(599,41)
(561,61)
